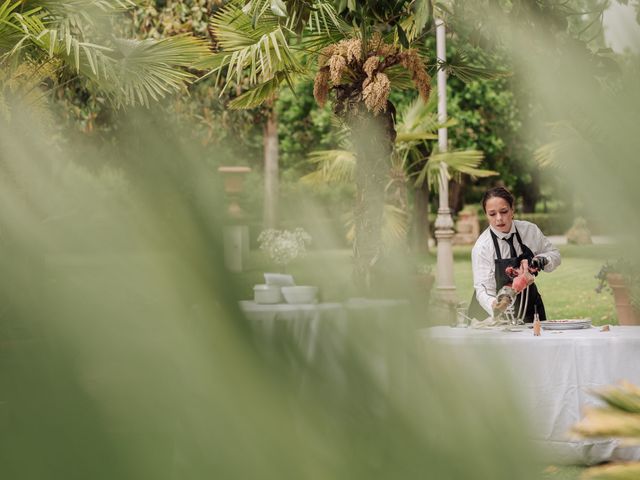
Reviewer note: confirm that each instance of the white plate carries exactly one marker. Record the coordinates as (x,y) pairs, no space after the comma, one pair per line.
(570,324)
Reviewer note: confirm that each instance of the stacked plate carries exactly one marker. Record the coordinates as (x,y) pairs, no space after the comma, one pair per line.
(566,324)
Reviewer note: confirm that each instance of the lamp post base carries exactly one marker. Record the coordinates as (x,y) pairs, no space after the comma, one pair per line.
(445,286)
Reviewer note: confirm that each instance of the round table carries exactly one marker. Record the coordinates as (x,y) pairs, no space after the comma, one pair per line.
(555,375)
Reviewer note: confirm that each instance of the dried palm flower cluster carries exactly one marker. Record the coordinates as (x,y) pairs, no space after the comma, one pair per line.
(375,92)
(359,72)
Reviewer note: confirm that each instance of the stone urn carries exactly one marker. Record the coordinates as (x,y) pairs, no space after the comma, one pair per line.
(627,315)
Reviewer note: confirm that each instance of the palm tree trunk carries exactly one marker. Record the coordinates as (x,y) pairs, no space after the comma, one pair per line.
(271,183)
(421,230)
(456,197)
(530,194)
(373,139)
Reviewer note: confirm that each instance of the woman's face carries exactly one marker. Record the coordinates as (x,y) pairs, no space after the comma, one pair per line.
(499,214)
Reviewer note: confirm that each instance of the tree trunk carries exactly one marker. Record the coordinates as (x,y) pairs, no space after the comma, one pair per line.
(271,182)
(373,139)
(530,194)
(421,230)
(456,196)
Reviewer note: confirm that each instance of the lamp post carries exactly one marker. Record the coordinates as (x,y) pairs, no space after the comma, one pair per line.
(445,287)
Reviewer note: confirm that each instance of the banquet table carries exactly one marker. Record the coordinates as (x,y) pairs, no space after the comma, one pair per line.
(555,375)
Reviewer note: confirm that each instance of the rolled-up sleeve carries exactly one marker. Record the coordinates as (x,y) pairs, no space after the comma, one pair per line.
(484,281)
(544,248)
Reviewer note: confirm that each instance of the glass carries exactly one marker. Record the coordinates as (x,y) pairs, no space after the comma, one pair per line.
(462,319)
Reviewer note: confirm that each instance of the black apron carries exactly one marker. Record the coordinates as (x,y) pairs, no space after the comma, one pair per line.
(535,303)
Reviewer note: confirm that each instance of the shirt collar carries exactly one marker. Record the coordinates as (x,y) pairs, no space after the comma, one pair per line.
(502,235)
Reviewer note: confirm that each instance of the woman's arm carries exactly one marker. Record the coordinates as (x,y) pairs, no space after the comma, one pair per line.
(544,248)
(484,281)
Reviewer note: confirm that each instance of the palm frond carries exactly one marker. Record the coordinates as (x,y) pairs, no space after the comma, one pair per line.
(618,417)
(324,19)
(415,116)
(334,167)
(134,71)
(262,49)
(418,123)
(128,71)
(400,78)
(413,137)
(152,68)
(395,225)
(257,95)
(20,86)
(571,141)
(460,65)
(416,23)
(319,17)
(458,161)
(626,471)
(10,31)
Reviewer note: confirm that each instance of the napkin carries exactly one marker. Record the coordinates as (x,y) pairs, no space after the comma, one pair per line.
(488,322)
(279,279)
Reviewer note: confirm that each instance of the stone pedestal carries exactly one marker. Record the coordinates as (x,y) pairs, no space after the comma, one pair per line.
(236,246)
(235,235)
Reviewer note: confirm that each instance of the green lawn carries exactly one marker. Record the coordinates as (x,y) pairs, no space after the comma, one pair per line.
(562,473)
(568,292)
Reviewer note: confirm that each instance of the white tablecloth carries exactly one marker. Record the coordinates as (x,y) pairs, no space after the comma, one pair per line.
(555,375)
(304,323)
(325,333)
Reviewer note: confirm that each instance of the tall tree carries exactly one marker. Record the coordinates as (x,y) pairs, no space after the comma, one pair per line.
(557,35)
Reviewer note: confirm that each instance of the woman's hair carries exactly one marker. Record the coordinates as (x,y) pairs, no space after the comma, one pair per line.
(497,192)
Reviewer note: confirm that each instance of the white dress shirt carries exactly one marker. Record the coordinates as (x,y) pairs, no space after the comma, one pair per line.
(483,257)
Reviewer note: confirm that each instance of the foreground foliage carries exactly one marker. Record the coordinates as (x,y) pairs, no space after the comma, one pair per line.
(620,418)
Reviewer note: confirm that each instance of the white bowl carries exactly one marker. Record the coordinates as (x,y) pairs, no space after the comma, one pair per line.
(300,294)
(267,294)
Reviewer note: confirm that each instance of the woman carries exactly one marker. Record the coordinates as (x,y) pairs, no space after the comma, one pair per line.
(506,242)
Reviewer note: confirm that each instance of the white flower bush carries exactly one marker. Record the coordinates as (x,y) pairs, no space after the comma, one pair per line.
(283,246)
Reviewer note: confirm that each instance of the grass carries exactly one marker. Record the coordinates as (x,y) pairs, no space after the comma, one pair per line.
(568,292)
(562,473)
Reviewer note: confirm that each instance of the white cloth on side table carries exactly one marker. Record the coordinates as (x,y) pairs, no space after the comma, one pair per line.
(301,321)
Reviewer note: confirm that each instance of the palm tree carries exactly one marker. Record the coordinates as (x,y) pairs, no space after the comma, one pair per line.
(40,36)
(414,164)
(358,52)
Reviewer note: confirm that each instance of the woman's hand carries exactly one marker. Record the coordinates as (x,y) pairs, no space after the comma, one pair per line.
(539,262)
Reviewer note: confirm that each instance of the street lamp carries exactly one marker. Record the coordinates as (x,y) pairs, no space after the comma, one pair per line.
(445,286)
